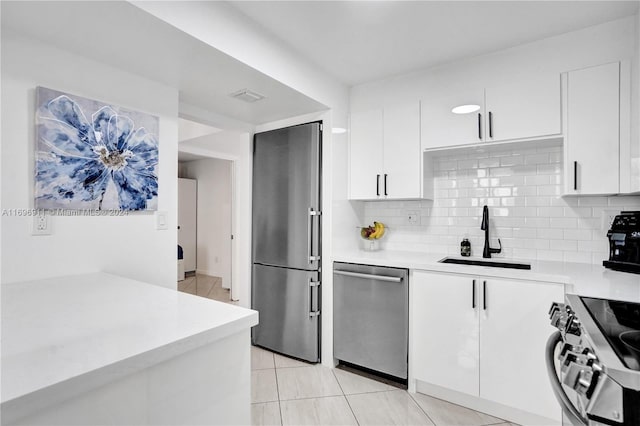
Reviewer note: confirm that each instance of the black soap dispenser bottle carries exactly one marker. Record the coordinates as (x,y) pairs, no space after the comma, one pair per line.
(465,248)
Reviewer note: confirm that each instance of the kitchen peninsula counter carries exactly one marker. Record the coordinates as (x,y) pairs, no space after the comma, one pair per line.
(579,278)
(100,348)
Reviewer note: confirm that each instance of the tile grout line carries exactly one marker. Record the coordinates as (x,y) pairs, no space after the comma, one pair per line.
(275,372)
(420,407)
(333,371)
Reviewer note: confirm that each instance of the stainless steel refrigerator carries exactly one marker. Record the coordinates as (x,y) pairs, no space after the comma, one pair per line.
(287,240)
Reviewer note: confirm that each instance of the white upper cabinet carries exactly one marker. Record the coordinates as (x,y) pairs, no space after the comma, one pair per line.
(443,128)
(365,155)
(526,110)
(401,154)
(529,109)
(592,144)
(384,153)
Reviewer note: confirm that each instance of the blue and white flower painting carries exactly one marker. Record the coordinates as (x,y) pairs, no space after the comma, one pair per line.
(90,155)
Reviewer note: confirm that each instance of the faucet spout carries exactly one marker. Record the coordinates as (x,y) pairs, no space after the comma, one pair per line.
(487,250)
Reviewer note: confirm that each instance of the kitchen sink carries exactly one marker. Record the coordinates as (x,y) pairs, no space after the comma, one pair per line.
(491,263)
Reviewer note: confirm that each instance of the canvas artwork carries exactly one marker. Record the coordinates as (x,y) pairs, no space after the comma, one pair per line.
(90,155)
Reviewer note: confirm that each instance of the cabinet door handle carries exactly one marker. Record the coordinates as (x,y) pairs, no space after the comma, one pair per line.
(479,126)
(490,124)
(575,175)
(484,295)
(385,184)
(473,295)
(378,185)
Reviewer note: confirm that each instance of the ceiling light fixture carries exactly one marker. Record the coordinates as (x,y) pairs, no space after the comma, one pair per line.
(247,95)
(338,130)
(465,109)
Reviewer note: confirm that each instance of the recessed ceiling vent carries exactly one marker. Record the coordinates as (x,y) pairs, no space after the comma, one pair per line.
(247,96)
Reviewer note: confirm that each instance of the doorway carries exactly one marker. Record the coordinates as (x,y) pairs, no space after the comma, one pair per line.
(208,186)
(206,203)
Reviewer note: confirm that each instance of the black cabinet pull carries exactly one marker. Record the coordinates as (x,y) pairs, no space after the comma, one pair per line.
(473,295)
(378,185)
(479,126)
(385,184)
(575,175)
(490,124)
(484,295)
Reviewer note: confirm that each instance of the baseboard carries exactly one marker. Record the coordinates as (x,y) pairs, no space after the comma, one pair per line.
(485,406)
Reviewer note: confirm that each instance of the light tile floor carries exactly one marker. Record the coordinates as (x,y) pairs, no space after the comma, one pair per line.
(205,286)
(286,391)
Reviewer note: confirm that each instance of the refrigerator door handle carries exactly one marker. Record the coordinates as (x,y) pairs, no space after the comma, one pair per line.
(312,284)
(312,214)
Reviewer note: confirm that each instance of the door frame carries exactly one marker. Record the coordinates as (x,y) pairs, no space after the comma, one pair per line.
(215,155)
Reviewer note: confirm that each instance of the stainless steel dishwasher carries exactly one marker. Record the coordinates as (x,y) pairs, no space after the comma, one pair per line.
(371,317)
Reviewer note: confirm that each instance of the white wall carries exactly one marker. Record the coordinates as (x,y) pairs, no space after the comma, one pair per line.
(128,246)
(214,216)
(236,147)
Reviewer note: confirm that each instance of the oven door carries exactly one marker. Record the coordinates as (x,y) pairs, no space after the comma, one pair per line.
(567,398)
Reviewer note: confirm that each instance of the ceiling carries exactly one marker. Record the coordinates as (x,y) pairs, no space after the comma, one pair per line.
(362,41)
(147,46)
(188,129)
(354,41)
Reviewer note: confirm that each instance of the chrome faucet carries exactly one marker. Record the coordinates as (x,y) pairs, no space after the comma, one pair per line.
(486,252)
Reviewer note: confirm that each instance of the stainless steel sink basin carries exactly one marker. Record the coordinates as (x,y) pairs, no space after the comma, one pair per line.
(491,263)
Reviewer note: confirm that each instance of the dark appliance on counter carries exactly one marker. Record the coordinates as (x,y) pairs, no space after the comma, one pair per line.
(287,240)
(597,379)
(624,243)
(371,318)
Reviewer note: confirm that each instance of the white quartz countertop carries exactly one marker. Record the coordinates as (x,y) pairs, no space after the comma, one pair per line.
(85,330)
(583,279)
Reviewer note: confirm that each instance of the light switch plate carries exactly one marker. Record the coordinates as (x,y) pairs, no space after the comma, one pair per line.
(161,220)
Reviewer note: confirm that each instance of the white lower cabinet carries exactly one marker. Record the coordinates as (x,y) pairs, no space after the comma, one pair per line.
(446,336)
(484,337)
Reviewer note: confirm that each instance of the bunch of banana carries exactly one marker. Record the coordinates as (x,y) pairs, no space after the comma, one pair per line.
(373,232)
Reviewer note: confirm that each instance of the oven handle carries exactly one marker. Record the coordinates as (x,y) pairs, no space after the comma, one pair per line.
(567,407)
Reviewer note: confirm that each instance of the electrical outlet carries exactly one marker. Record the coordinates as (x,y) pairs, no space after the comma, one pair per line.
(41,225)
(607,218)
(413,218)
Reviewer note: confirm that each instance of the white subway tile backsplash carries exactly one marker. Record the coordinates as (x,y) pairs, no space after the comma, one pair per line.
(540,158)
(551,211)
(549,234)
(537,180)
(512,160)
(563,222)
(524,233)
(523,189)
(537,201)
(578,234)
(488,162)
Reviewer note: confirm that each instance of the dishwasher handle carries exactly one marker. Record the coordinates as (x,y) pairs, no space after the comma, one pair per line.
(369,276)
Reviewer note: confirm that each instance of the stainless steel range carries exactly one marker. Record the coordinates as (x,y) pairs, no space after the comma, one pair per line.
(596,377)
